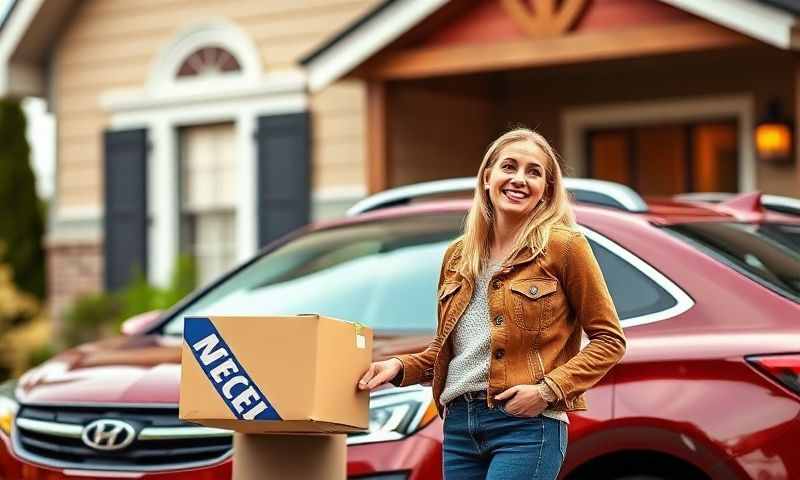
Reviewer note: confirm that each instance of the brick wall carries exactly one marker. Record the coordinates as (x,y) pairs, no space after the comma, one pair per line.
(73,269)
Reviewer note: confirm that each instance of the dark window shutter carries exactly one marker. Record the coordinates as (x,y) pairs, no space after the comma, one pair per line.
(284,169)
(125,220)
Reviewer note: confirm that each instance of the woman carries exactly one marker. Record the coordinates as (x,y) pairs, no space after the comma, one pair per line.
(515,293)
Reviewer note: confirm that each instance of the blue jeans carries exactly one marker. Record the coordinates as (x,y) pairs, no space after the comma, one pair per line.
(483,443)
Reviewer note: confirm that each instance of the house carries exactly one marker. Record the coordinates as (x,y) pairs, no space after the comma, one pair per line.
(212,127)
(182,126)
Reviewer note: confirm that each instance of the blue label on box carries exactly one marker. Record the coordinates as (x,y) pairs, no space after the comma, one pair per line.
(226,374)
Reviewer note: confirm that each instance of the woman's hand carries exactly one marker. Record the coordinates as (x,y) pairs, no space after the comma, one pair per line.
(380,373)
(523,400)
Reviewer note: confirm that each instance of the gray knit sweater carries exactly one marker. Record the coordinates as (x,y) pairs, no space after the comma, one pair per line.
(469,366)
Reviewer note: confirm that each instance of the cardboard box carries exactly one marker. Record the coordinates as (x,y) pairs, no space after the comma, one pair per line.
(289,457)
(274,374)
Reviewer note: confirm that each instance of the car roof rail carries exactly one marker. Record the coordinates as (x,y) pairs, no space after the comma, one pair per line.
(605,193)
(776,203)
(781,204)
(583,190)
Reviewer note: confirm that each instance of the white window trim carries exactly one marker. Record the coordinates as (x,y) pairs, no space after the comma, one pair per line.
(221,33)
(239,100)
(575,122)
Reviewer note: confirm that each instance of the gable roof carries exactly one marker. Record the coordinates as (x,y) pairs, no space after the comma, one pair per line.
(29,27)
(769,21)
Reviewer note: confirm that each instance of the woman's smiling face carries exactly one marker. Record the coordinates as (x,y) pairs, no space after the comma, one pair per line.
(517,180)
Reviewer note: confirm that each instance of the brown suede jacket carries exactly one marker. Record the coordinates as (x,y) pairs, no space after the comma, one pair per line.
(538,309)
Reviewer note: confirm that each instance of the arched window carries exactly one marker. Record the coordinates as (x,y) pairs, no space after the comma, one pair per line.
(209,58)
(208,61)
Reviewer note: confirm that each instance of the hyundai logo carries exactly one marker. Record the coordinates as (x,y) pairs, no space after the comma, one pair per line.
(108,434)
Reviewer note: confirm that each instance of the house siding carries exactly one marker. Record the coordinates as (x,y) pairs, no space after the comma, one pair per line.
(112,44)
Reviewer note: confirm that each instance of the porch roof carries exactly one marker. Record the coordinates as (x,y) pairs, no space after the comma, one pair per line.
(773,22)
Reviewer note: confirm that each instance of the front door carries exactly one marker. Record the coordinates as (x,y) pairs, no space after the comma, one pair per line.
(667,159)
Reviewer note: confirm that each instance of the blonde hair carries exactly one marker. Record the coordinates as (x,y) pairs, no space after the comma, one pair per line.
(554,209)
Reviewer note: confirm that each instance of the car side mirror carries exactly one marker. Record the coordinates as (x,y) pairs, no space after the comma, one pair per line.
(139,324)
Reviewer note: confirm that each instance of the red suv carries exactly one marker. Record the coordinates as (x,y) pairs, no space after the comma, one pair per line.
(709,296)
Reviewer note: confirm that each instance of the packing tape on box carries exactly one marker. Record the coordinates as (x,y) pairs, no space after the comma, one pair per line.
(361,340)
(226,374)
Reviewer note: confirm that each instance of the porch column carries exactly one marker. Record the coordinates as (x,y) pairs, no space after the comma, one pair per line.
(796,118)
(377,137)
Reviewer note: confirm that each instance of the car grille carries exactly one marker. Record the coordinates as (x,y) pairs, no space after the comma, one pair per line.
(52,436)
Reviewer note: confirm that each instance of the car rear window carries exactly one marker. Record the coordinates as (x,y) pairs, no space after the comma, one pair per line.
(768,253)
(635,294)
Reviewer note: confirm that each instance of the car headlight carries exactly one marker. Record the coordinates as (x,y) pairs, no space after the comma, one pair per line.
(8,411)
(396,413)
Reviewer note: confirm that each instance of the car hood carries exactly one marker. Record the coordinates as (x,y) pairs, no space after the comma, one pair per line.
(140,369)
(137,369)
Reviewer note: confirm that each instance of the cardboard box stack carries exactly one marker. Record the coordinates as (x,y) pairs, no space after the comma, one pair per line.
(286,384)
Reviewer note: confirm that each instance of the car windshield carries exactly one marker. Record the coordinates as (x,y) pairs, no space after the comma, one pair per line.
(768,253)
(393,265)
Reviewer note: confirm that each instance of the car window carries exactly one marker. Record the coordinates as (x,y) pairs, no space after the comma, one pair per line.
(634,293)
(767,253)
(382,274)
(786,235)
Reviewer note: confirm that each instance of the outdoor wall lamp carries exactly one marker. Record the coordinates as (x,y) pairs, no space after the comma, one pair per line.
(774,135)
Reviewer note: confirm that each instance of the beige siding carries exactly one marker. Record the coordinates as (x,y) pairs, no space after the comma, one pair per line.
(338,131)
(112,44)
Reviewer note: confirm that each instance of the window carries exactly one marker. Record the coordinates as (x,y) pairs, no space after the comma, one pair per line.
(767,253)
(667,159)
(384,275)
(635,294)
(208,215)
(208,61)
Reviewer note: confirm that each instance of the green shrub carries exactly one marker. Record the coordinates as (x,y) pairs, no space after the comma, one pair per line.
(18,343)
(183,282)
(16,306)
(101,314)
(40,355)
(21,212)
(91,317)
(137,297)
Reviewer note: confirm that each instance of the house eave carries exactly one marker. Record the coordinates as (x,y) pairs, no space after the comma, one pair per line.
(383,25)
(26,40)
(769,24)
(344,52)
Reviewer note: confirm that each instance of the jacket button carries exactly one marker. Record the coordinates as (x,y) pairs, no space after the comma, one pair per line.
(498,320)
(498,354)
(497,284)
(534,290)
